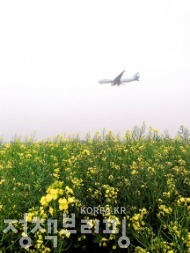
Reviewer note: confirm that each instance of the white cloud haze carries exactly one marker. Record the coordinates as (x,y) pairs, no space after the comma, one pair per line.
(52,54)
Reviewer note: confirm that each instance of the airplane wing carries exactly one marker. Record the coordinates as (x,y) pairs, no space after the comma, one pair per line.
(117,79)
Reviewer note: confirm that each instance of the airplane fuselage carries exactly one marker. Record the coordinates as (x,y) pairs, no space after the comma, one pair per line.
(128,80)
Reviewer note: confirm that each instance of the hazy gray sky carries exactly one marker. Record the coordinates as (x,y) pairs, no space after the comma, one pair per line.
(52,54)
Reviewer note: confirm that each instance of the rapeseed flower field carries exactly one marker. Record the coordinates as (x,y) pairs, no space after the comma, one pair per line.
(102,194)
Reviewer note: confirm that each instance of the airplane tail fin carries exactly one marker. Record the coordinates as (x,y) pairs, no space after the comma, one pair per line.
(136,76)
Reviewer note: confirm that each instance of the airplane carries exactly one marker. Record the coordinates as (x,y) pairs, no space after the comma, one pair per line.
(119,81)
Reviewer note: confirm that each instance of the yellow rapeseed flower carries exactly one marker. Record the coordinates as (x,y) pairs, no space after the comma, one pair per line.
(65,232)
(114,247)
(86,152)
(51,210)
(138,249)
(63,204)
(134,172)
(2,181)
(49,197)
(71,200)
(54,193)
(60,191)
(165,210)
(68,190)
(43,201)
(29,217)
